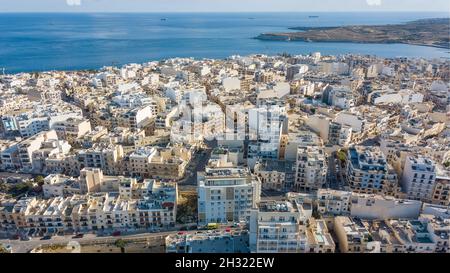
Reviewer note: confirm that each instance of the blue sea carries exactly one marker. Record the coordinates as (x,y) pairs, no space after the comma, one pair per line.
(68,41)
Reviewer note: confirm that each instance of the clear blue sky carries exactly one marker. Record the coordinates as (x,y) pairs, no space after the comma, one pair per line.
(220,5)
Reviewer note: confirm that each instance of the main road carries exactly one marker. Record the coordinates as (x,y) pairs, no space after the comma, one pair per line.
(18,246)
(26,246)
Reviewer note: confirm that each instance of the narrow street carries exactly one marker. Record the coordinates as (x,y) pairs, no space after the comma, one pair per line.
(335,179)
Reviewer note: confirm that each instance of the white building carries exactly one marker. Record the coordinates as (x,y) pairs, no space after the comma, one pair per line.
(266,125)
(56,185)
(295,71)
(334,68)
(403,97)
(311,169)
(231,83)
(194,123)
(341,97)
(419,176)
(72,128)
(353,120)
(30,145)
(278,227)
(333,202)
(368,171)
(378,207)
(226,194)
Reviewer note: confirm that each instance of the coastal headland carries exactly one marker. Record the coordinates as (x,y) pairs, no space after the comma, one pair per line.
(425,32)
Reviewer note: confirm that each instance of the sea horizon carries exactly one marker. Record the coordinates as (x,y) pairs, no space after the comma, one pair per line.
(70,41)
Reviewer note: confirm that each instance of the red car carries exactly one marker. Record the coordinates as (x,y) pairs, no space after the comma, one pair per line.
(116,233)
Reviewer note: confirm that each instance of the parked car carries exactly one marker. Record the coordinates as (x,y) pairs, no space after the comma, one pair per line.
(212,226)
(116,233)
(31,232)
(46,237)
(78,236)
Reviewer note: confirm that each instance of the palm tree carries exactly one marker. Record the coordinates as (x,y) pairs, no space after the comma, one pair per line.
(120,243)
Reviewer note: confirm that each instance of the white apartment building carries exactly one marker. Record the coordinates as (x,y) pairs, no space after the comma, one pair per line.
(31,126)
(294,71)
(226,194)
(136,118)
(339,134)
(352,234)
(266,125)
(311,169)
(276,174)
(341,97)
(278,227)
(333,202)
(419,176)
(237,121)
(40,118)
(368,171)
(10,157)
(290,143)
(196,123)
(59,185)
(158,163)
(30,145)
(404,97)
(99,211)
(102,156)
(50,148)
(72,128)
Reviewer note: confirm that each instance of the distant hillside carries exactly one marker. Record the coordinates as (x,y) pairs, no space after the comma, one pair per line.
(426,32)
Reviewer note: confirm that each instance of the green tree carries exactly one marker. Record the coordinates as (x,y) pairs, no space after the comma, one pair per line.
(39,180)
(342,155)
(120,243)
(20,189)
(187,210)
